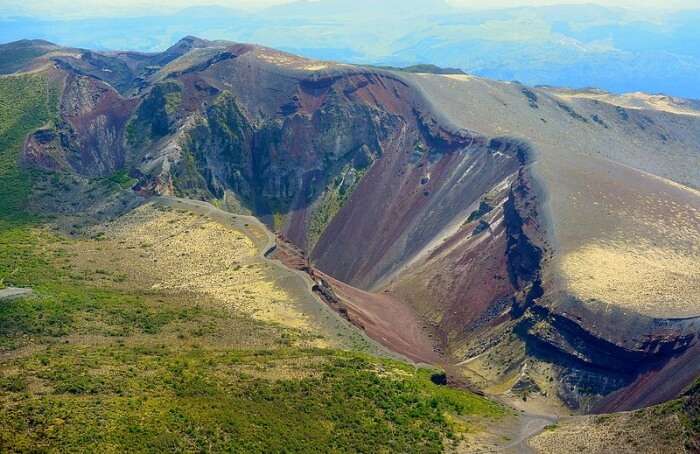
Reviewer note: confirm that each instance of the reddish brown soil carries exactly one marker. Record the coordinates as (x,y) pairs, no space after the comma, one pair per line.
(395,213)
(465,277)
(384,318)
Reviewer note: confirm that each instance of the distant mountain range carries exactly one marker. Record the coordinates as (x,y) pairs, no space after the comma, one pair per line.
(574,46)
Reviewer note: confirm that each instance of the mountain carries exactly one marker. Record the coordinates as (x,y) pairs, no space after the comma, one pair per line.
(538,244)
(578,46)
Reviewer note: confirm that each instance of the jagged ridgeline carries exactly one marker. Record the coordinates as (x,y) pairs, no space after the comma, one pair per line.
(521,238)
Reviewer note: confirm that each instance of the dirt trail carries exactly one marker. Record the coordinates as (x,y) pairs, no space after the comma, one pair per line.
(294,282)
(530,425)
(527,425)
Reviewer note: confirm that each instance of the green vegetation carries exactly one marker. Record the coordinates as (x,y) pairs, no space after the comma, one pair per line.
(123,179)
(139,399)
(337,193)
(14,56)
(187,180)
(153,117)
(229,127)
(68,302)
(688,410)
(26,103)
(160,374)
(173,99)
(222,133)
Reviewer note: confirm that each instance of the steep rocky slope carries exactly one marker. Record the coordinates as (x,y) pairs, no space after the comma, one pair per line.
(621,291)
(167,328)
(542,243)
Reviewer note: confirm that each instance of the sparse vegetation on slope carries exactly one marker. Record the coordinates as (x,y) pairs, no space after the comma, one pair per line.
(337,193)
(689,408)
(153,118)
(123,179)
(155,398)
(26,103)
(13,56)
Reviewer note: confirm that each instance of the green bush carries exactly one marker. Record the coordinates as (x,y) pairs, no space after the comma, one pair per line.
(204,401)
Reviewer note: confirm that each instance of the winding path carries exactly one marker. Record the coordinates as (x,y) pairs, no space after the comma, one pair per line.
(530,425)
(265,241)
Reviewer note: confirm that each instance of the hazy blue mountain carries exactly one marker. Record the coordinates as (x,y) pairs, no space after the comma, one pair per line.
(576,45)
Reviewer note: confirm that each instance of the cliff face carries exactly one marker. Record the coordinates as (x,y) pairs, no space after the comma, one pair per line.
(348,163)
(88,138)
(403,212)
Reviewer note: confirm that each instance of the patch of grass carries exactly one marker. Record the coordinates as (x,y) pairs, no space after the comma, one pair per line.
(688,410)
(123,179)
(13,384)
(63,303)
(278,220)
(60,310)
(205,400)
(21,262)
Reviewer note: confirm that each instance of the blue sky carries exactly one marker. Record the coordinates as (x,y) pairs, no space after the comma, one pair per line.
(640,48)
(92,8)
